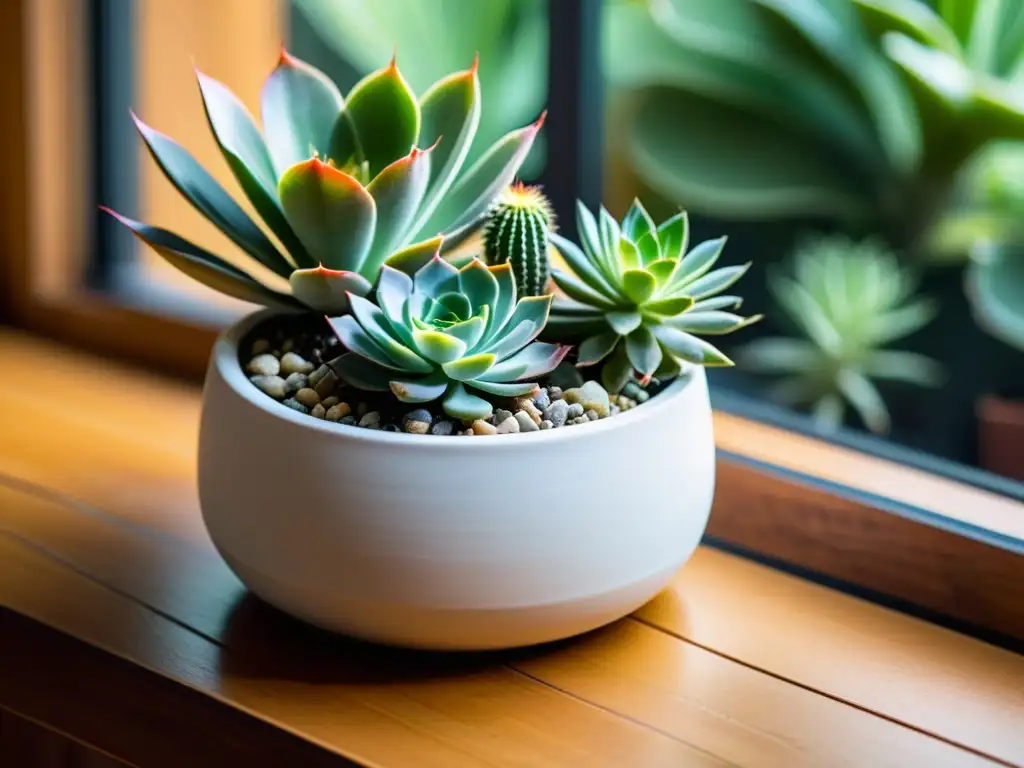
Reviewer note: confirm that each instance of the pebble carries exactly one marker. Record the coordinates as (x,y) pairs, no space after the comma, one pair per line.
(416,427)
(526,423)
(271,385)
(338,412)
(481,427)
(580,420)
(331,401)
(260,347)
(546,424)
(296,381)
(575,410)
(442,428)
(350,420)
(500,415)
(590,395)
(308,397)
(555,393)
(318,411)
(592,415)
(288,345)
(319,373)
(557,413)
(293,363)
(526,404)
(370,419)
(420,414)
(263,365)
(542,399)
(327,384)
(509,426)
(294,404)
(614,410)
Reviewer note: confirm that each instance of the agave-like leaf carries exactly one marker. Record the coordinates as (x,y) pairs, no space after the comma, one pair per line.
(688,347)
(203,266)
(673,236)
(385,115)
(299,105)
(397,191)
(331,212)
(715,282)
(326,290)
(583,267)
(580,291)
(638,223)
(697,263)
(712,322)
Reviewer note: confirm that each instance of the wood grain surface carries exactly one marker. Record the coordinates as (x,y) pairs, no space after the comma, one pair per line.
(106,575)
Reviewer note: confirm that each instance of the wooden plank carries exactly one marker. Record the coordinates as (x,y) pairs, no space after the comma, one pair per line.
(375,706)
(28,744)
(719,706)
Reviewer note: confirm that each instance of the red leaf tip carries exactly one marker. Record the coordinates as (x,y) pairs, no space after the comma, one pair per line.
(393,66)
(285,59)
(540,120)
(476,63)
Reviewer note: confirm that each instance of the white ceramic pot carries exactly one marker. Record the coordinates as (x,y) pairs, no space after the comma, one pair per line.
(448,542)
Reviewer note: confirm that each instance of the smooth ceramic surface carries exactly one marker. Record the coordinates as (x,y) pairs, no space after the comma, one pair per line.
(452,542)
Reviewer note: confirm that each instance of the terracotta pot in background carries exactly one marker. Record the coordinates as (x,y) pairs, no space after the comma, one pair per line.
(1001,436)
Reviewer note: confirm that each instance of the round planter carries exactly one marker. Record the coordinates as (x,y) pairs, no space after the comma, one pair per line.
(448,542)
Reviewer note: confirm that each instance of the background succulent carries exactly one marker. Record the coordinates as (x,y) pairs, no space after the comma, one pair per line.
(850,301)
(343,183)
(442,330)
(516,232)
(636,297)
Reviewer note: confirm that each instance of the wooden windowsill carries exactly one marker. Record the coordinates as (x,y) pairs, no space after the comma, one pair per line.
(122,628)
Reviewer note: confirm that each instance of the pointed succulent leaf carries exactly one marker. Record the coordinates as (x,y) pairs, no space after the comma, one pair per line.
(469,368)
(585,269)
(504,389)
(210,198)
(639,285)
(505,303)
(617,371)
(688,347)
(578,290)
(326,290)
(460,404)
(375,323)
(343,148)
(518,336)
(865,399)
(331,212)
(299,105)
(394,288)
(696,263)
(610,233)
(436,277)
(638,223)
(468,199)
(386,117)
(409,260)
(715,282)
(777,354)
(590,239)
(673,236)
(438,347)
(201,265)
(357,340)
(662,270)
(478,284)
(670,366)
(450,112)
(624,322)
(648,248)
(472,330)
(419,390)
(361,373)
(529,362)
(397,192)
(629,256)
(532,308)
(451,303)
(596,348)
(670,306)
(718,302)
(712,322)
(643,351)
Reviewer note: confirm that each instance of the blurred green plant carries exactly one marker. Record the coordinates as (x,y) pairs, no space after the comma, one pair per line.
(434,37)
(859,111)
(850,300)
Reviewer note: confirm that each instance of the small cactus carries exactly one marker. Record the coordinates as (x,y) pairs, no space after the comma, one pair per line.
(516,231)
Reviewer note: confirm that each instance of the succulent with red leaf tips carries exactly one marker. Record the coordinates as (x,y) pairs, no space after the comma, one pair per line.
(343,183)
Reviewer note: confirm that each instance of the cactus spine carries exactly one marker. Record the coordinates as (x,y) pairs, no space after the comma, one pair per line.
(516,231)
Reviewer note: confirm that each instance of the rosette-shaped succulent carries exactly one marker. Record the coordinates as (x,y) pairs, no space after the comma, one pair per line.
(442,330)
(343,183)
(636,297)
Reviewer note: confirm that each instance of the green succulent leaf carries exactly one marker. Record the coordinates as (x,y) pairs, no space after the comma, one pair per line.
(210,199)
(715,282)
(909,367)
(326,290)
(460,404)
(585,269)
(436,277)
(776,354)
(643,351)
(590,239)
(712,322)
(344,149)
(638,223)
(993,284)
(410,259)
(357,339)
(385,115)
(689,348)
(450,116)
(505,304)
(580,291)
(669,306)
(865,399)
(377,325)
(469,368)
(397,192)
(617,370)
(438,347)
(531,361)
(361,373)
(331,212)
(201,265)
(611,234)
(419,390)
(394,288)
(504,389)
(673,236)
(718,302)
(670,366)
(649,248)
(479,284)
(911,17)
(299,105)
(697,262)
(596,348)
(472,330)
(449,305)
(629,256)
(624,322)
(534,309)
(662,269)
(638,284)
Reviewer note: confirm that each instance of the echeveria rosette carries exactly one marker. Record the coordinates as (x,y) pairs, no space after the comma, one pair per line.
(342,183)
(442,330)
(636,297)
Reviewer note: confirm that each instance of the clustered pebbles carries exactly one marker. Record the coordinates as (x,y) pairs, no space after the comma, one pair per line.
(294,371)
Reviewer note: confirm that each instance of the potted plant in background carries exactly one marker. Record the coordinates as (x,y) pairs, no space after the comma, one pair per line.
(386,452)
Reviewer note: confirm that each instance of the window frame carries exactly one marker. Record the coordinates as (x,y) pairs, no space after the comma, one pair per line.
(871,524)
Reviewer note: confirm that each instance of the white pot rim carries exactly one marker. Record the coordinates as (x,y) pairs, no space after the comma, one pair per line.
(225,359)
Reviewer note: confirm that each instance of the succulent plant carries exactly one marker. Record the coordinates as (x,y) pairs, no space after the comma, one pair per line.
(850,300)
(516,232)
(636,296)
(344,183)
(443,329)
